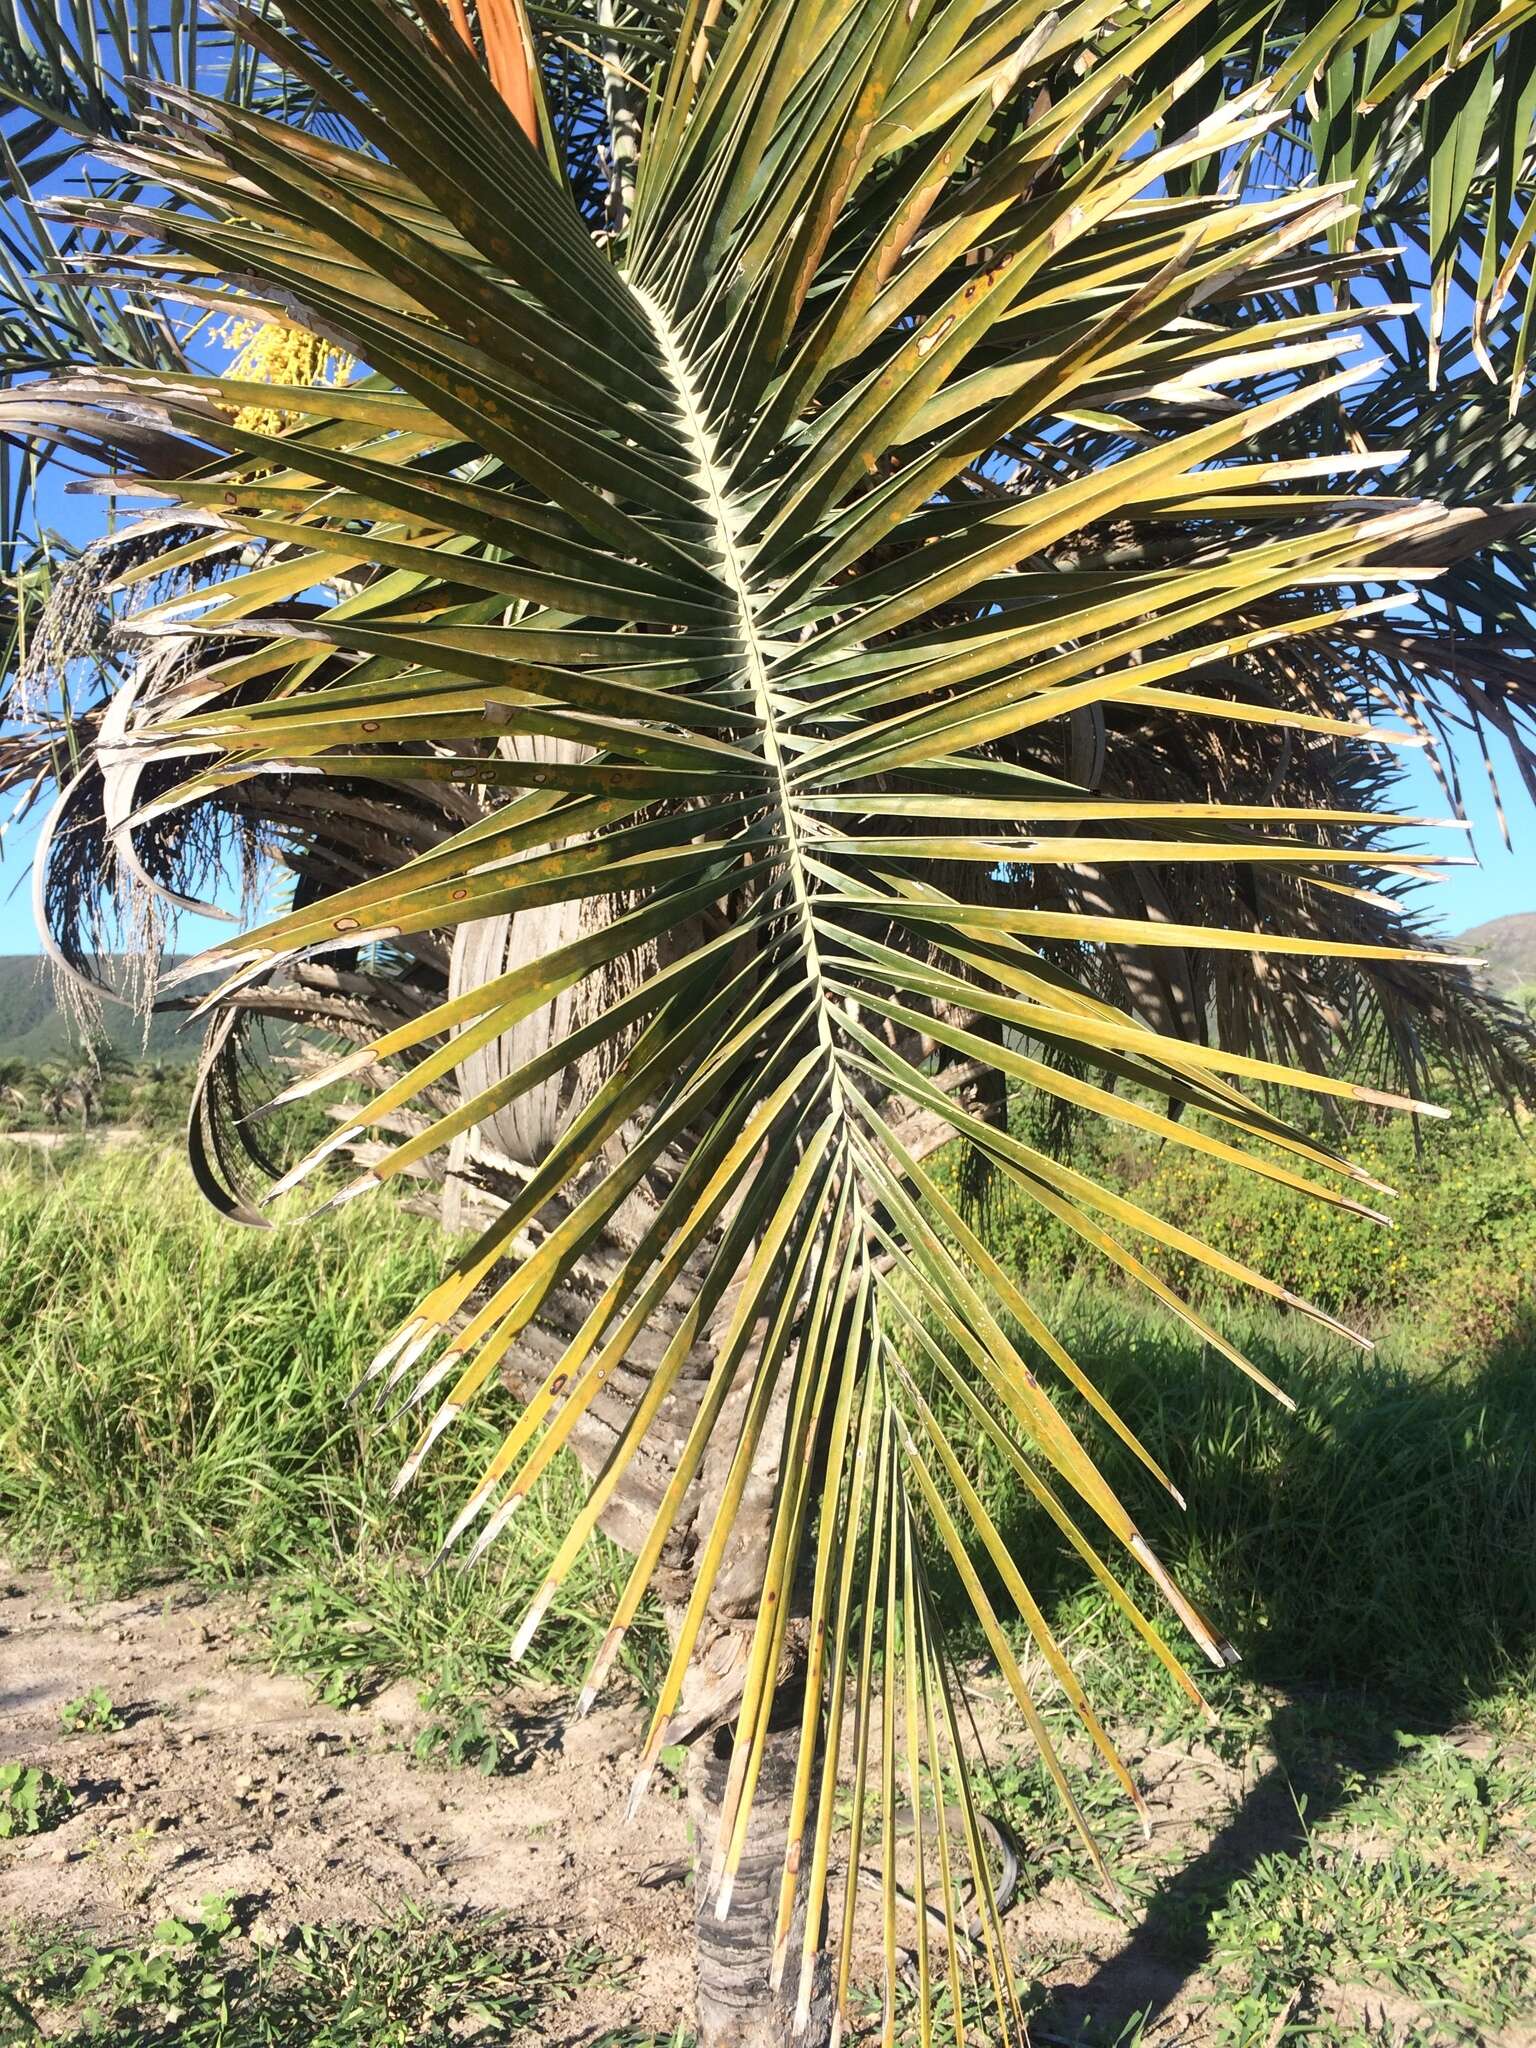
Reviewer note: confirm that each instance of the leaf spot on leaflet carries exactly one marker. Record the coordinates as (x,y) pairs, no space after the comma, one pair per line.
(370,725)
(458,895)
(346,924)
(557,1384)
(929,341)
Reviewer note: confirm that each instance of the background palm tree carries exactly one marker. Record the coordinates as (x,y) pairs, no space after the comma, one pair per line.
(14,1075)
(53,1093)
(828,599)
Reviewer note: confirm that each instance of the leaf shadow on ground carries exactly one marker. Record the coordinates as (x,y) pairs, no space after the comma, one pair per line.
(1371,1556)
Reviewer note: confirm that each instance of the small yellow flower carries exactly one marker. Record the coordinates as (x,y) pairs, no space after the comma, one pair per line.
(270,352)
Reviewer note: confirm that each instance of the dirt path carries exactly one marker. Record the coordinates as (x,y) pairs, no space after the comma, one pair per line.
(111,1137)
(232,1781)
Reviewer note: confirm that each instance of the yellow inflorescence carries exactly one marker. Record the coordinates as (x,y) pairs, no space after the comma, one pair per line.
(268,353)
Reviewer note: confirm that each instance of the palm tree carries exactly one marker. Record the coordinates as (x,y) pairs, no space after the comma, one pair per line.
(73,1085)
(53,1093)
(84,1087)
(826,602)
(14,1075)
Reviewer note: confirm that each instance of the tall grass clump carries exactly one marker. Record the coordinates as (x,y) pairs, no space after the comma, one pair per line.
(1380,1537)
(173,1389)
(173,1402)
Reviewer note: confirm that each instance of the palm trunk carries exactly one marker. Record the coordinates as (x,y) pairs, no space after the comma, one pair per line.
(736,2007)
(622,103)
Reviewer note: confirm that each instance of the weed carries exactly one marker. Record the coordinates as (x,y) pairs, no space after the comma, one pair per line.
(631,2037)
(1448,1944)
(1019,1791)
(419,1982)
(1459,1261)
(32,1800)
(463,1733)
(1437,1792)
(92,1714)
(354,1620)
(1380,1537)
(468,1740)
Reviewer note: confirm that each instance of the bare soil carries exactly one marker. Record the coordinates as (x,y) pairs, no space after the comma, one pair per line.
(229,1780)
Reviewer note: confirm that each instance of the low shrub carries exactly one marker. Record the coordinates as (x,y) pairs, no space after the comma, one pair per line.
(1460,1254)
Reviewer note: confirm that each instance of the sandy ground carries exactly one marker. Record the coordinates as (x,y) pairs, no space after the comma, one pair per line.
(229,1780)
(233,1781)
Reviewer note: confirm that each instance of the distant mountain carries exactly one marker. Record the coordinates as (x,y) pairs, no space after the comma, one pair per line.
(35,1026)
(1508,944)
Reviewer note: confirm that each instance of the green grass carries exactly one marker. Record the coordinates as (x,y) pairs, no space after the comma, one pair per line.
(173,1403)
(1432,1791)
(1379,1537)
(1446,1945)
(1360,1858)
(419,1981)
(173,1394)
(173,1388)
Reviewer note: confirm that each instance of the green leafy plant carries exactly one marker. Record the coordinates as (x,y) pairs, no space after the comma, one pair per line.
(466,1739)
(92,1714)
(463,1732)
(1399,1922)
(417,1981)
(175,1980)
(32,1800)
(821,603)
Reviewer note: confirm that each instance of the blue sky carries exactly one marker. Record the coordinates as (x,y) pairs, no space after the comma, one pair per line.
(18,932)
(1505,880)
